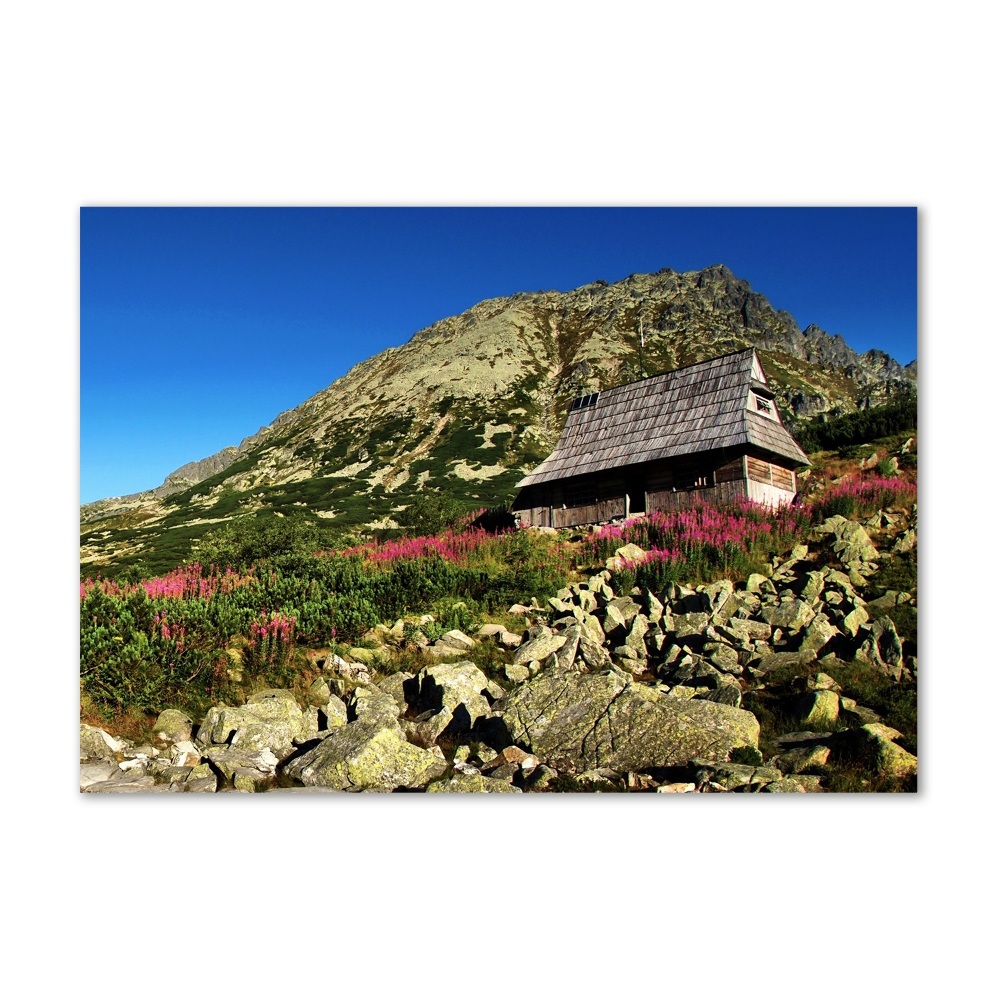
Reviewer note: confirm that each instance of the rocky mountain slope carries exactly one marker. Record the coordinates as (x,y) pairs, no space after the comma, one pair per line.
(601,690)
(470,403)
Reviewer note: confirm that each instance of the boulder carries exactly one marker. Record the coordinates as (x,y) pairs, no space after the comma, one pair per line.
(582,721)
(743,631)
(98,745)
(539,645)
(791,614)
(818,710)
(730,776)
(802,758)
(851,542)
(97,771)
(818,633)
(594,654)
(626,556)
(692,623)
(471,783)
(334,714)
(459,687)
(566,654)
(854,620)
(881,647)
(398,685)
(173,726)
(270,719)
(784,785)
(509,640)
(374,706)
(873,746)
(228,761)
(365,756)
(457,640)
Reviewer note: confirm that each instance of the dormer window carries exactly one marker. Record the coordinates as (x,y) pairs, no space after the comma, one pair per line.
(581,401)
(763,405)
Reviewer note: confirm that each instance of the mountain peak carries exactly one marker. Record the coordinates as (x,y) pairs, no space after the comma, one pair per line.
(471,402)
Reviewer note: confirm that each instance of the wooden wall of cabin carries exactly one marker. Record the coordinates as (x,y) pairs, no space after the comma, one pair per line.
(670,484)
(763,471)
(571,502)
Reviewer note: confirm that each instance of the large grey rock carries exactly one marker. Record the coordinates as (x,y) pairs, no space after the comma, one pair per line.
(457,640)
(594,655)
(692,623)
(540,645)
(227,761)
(471,783)
(373,706)
(98,745)
(363,756)
(790,614)
(566,654)
(851,542)
(818,633)
(173,726)
(802,758)
(873,745)
(881,647)
(583,721)
(853,620)
(730,776)
(270,719)
(101,770)
(141,783)
(818,710)
(459,688)
(784,785)
(744,631)
(398,685)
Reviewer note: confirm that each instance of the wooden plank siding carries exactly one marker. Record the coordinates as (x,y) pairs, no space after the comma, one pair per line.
(669,500)
(767,472)
(669,484)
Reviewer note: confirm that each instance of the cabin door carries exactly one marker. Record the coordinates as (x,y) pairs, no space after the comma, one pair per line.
(635,496)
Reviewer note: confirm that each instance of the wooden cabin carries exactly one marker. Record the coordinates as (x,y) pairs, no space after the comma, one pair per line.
(709,431)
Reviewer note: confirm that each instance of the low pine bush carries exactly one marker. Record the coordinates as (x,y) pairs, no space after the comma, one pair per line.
(864,495)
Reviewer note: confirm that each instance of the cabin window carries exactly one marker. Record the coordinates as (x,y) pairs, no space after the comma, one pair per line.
(580,493)
(694,480)
(581,401)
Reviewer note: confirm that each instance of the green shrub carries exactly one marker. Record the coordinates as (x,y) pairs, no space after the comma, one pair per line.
(857,428)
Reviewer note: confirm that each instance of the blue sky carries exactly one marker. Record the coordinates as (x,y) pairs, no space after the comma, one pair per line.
(200,325)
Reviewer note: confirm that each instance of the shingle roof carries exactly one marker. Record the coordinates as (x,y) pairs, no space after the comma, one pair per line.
(698,408)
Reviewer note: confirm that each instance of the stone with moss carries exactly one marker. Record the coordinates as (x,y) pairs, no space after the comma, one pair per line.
(580,721)
(366,757)
(539,645)
(173,726)
(792,615)
(319,692)
(460,688)
(818,710)
(802,759)
(374,706)
(873,745)
(361,655)
(784,785)
(98,745)
(854,620)
(471,783)
(270,719)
